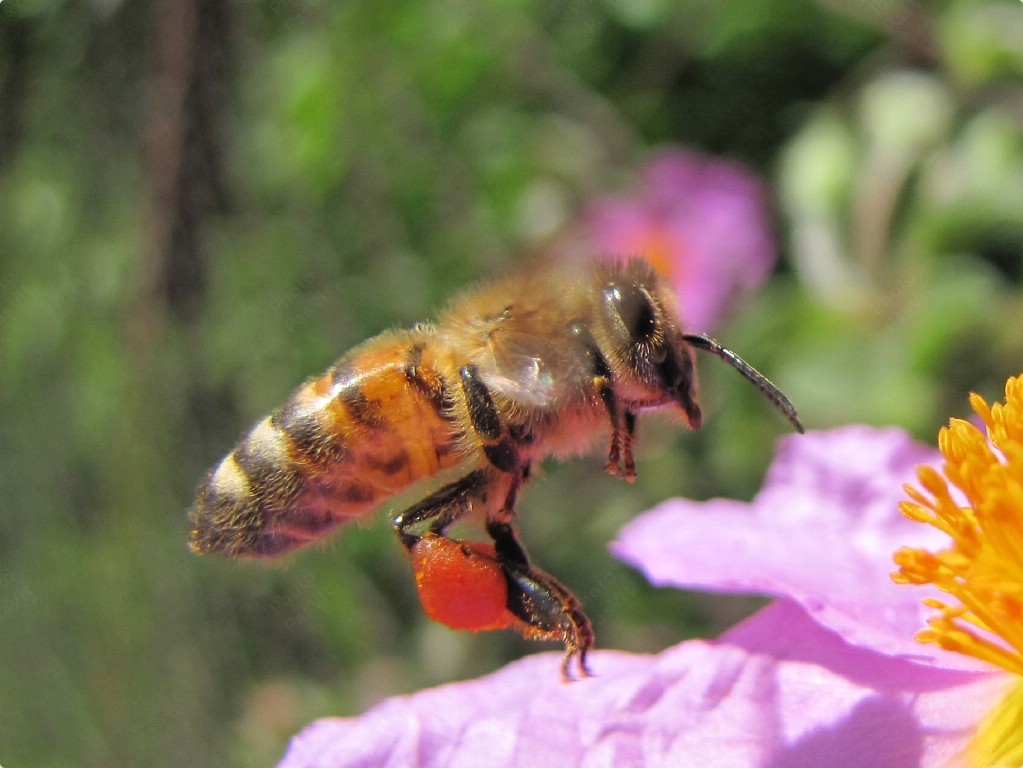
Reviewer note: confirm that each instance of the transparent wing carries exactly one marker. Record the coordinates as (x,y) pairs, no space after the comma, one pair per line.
(523,344)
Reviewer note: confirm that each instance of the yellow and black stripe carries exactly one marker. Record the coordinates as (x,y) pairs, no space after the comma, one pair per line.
(378,420)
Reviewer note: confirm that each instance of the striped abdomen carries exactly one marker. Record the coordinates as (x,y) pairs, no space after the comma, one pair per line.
(367,428)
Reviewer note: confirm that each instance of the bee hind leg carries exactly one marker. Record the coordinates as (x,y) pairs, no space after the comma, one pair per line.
(471,585)
(545,608)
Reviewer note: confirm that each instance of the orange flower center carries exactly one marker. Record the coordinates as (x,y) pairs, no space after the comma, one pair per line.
(658,248)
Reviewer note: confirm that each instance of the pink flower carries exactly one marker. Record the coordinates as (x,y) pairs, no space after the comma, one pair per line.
(821,677)
(778,690)
(699,221)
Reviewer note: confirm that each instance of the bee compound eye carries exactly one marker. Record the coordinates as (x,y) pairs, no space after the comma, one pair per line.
(628,308)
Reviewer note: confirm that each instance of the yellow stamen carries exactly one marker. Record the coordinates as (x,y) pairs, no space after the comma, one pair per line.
(982,569)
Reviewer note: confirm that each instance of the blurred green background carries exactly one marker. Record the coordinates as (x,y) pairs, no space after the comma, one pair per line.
(202,202)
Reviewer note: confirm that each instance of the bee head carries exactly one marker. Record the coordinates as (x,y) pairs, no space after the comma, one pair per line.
(642,341)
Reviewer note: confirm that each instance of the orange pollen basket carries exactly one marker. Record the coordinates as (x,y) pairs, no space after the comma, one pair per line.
(461,584)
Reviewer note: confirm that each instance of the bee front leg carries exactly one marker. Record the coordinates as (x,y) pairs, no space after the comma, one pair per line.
(623,421)
(628,438)
(623,432)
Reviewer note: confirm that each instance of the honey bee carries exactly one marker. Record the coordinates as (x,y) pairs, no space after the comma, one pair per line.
(532,366)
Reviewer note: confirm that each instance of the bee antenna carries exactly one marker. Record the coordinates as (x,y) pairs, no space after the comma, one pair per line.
(751,374)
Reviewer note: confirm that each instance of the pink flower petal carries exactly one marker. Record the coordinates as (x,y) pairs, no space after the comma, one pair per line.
(779,690)
(821,531)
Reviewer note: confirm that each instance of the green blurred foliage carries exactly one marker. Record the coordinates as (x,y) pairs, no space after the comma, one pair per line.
(343,168)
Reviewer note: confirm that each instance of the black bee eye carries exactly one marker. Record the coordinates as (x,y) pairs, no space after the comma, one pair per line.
(629,309)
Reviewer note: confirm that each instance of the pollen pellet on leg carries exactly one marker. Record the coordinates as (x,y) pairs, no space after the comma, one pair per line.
(461,584)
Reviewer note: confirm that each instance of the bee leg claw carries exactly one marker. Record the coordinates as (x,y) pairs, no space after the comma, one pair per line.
(566,664)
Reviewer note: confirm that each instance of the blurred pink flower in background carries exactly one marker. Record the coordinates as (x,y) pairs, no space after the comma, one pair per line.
(700,221)
(827,675)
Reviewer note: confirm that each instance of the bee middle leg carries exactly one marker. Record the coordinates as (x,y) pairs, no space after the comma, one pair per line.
(438,511)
